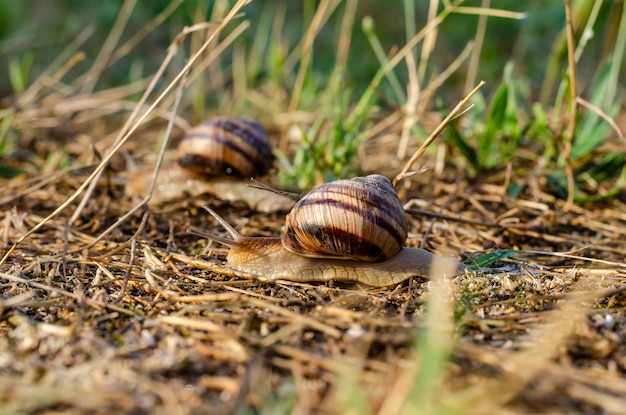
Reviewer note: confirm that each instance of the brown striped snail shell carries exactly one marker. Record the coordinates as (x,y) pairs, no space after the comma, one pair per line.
(338,216)
(372,225)
(226,145)
(217,157)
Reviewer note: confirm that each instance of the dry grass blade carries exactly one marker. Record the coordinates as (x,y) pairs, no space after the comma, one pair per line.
(131,43)
(436,132)
(56,69)
(487,11)
(603,115)
(105,52)
(206,62)
(573,114)
(323,10)
(410,109)
(479,40)
(438,81)
(430,39)
(128,128)
(343,47)
(39,184)
(400,55)
(588,259)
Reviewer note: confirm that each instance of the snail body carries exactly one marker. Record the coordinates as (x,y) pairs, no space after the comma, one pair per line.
(215,157)
(382,261)
(267,259)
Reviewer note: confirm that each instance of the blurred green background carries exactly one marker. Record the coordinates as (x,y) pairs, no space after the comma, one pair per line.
(521,117)
(44,27)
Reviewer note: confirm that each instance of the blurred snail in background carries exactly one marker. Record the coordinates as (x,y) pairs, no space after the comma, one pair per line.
(346,230)
(218,156)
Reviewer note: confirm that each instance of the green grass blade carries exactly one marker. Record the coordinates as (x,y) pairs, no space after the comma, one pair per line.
(19,71)
(593,130)
(490,258)
(454,138)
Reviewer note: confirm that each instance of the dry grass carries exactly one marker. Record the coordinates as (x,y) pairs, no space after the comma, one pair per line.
(148,320)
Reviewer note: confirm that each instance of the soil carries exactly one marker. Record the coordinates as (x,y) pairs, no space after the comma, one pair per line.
(150,319)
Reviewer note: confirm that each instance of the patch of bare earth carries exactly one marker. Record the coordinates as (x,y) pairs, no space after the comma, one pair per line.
(150,320)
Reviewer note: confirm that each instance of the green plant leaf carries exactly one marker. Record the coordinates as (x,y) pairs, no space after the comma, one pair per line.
(592,130)
(490,258)
(488,155)
(455,139)
(19,71)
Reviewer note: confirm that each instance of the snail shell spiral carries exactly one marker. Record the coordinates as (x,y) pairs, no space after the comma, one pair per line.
(226,145)
(360,219)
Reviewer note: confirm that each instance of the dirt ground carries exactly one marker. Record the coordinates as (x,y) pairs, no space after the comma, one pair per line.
(149,319)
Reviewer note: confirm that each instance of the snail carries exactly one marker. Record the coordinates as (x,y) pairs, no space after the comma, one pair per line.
(214,157)
(346,230)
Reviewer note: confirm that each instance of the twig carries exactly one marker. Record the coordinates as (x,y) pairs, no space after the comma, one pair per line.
(411,173)
(602,115)
(419,212)
(435,133)
(257,184)
(131,261)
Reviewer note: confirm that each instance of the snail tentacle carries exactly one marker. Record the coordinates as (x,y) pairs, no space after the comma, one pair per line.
(227,226)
